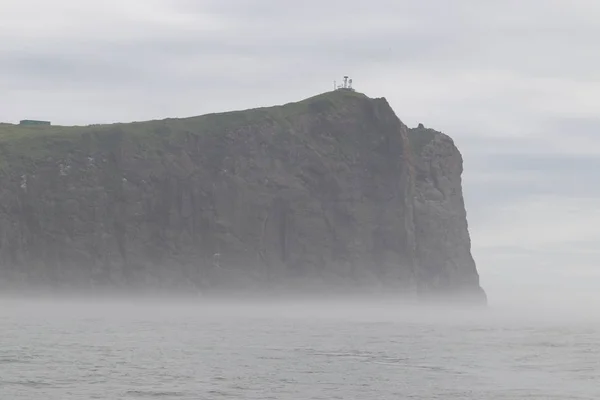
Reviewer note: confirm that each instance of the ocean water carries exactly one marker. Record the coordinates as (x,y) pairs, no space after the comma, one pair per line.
(125,349)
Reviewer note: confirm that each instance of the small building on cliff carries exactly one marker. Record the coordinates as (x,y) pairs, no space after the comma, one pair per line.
(33,122)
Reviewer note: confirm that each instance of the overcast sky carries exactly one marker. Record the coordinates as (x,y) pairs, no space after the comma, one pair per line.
(516,83)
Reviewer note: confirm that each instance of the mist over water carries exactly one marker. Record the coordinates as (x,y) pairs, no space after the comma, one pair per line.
(345,348)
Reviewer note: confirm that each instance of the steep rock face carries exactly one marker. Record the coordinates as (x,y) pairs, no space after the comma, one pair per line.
(443,243)
(333,191)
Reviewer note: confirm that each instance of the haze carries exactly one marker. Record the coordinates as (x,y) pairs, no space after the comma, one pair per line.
(515,83)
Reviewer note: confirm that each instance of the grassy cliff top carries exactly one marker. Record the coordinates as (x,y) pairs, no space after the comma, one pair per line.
(322,102)
(30,144)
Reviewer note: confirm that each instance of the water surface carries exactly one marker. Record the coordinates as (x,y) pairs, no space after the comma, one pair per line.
(57,350)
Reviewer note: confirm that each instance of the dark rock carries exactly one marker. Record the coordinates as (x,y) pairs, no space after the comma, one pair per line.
(331,192)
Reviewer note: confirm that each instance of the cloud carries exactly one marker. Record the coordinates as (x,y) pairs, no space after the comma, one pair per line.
(515,83)
(543,222)
(436,61)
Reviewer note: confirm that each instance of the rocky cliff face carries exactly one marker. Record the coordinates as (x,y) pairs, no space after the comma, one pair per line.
(333,191)
(443,245)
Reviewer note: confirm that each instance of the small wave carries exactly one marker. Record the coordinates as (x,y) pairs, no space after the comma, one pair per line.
(357,355)
(10,360)
(219,393)
(28,383)
(153,393)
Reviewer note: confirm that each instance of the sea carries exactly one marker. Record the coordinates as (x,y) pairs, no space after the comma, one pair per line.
(76,348)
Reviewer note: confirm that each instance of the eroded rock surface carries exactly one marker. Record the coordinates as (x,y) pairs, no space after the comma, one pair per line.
(333,191)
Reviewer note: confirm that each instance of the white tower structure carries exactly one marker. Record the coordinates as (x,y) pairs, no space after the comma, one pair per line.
(346,85)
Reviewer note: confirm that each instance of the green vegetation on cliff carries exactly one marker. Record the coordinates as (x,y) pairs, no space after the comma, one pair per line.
(22,146)
(330,190)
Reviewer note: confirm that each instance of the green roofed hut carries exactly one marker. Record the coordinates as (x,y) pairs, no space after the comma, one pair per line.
(33,122)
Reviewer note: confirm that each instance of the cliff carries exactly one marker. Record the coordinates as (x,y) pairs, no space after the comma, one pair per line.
(332,191)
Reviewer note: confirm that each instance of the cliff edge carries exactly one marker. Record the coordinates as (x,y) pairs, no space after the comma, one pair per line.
(331,191)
